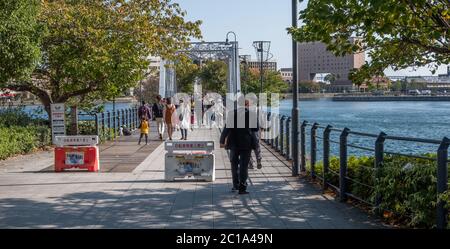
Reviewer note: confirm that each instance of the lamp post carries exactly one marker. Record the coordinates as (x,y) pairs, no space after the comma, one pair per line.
(295,109)
(245,59)
(235,59)
(263,53)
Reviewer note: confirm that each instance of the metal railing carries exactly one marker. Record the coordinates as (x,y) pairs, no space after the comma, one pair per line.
(282,143)
(107,124)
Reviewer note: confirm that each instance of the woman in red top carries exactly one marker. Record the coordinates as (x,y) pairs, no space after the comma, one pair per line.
(169,113)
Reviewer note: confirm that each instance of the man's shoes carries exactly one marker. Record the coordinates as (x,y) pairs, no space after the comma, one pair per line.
(250,164)
(234,189)
(258,164)
(243,189)
(243,192)
(160,137)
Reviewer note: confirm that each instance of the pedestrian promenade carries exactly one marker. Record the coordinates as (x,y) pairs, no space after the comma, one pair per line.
(142,199)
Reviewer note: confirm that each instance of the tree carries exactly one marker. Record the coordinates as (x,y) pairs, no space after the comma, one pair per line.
(213,76)
(272,83)
(97,49)
(186,74)
(331,78)
(396,33)
(20,36)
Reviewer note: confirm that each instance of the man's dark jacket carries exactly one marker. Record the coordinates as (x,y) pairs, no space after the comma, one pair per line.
(240,138)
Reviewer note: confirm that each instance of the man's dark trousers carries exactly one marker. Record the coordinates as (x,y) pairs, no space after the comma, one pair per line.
(239,167)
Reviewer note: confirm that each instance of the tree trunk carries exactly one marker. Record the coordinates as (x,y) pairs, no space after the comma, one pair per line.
(73,121)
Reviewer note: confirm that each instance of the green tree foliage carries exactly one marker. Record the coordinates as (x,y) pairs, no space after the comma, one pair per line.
(397,33)
(213,76)
(331,78)
(272,82)
(186,74)
(19,38)
(96,49)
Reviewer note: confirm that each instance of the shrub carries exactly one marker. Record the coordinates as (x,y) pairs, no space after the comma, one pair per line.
(407,186)
(18,117)
(19,140)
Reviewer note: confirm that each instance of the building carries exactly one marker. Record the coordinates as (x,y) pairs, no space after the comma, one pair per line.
(287,75)
(267,65)
(314,58)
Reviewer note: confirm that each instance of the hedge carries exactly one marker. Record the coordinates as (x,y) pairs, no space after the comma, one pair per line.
(407,186)
(16,140)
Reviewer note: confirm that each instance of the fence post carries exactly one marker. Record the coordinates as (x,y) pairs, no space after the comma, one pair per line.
(303,146)
(97,127)
(127,119)
(269,118)
(136,116)
(326,155)
(282,135)
(274,141)
(343,164)
(108,116)
(442,179)
(114,124)
(288,139)
(122,113)
(379,157)
(103,125)
(313,149)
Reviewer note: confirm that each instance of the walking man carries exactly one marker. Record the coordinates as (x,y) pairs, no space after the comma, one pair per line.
(158,113)
(240,140)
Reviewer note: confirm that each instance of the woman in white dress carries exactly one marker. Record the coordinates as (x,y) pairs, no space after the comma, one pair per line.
(184,117)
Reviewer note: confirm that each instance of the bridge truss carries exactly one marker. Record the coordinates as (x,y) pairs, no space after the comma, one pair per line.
(203,51)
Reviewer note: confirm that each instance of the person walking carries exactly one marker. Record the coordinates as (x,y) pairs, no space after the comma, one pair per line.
(144,126)
(169,113)
(158,114)
(184,119)
(145,111)
(240,141)
(257,148)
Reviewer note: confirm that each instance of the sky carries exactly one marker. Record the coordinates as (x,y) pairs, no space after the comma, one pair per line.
(254,20)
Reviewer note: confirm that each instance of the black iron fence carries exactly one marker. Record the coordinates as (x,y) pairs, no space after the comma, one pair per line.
(107,125)
(319,141)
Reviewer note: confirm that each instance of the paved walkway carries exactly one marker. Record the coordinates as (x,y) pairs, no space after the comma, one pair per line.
(142,199)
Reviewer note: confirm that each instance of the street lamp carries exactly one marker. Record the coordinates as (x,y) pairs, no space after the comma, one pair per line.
(235,59)
(245,58)
(262,49)
(295,109)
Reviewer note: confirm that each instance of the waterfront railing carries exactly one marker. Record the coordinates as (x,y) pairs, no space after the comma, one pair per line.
(107,124)
(312,135)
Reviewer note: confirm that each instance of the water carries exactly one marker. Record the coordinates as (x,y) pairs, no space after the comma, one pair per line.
(409,119)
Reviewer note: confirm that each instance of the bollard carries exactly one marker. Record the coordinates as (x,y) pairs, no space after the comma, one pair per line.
(326,156)
(343,164)
(282,135)
(379,157)
(303,146)
(442,179)
(313,149)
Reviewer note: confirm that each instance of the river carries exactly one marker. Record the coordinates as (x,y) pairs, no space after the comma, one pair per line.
(410,119)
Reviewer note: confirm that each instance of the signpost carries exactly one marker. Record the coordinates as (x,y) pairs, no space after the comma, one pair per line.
(58,120)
